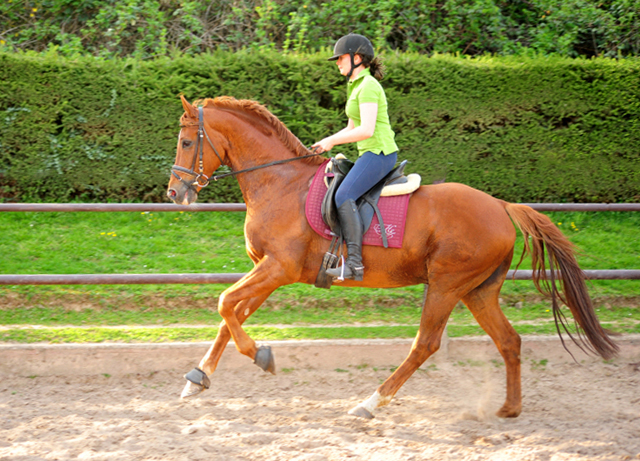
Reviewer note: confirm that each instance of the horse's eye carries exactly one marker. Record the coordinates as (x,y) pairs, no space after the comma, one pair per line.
(186,143)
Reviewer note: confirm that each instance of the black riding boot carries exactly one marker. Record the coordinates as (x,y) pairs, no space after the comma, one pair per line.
(352,229)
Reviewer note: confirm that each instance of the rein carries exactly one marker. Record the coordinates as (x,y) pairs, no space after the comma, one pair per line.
(277,162)
(196,182)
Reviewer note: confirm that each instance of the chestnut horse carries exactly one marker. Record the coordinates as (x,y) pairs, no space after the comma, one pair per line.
(458,240)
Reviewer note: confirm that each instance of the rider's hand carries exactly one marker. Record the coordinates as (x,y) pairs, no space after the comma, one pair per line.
(324,145)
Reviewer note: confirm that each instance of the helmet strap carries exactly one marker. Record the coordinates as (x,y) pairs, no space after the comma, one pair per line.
(353,65)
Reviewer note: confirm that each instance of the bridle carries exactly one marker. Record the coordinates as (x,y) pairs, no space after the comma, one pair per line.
(202,180)
(199,179)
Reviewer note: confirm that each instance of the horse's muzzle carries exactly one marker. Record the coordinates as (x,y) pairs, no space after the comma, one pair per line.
(182,195)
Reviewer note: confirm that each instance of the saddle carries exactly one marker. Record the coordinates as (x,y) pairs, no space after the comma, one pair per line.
(395,183)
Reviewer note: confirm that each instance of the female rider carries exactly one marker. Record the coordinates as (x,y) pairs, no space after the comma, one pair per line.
(369,128)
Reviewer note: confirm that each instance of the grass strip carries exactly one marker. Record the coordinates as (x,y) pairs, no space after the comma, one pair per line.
(213,242)
(400,312)
(186,334)
(170,334)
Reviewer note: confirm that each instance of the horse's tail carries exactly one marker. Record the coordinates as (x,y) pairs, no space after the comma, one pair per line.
(563,266)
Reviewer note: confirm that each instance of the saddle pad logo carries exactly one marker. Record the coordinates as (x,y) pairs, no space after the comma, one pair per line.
(390,230)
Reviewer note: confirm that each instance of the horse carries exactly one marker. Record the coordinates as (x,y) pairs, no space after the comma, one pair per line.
(458,241)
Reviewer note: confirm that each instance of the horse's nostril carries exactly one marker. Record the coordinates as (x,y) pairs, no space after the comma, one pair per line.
(171,193)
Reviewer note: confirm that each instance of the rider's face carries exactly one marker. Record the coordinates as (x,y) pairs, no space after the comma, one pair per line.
(344,63)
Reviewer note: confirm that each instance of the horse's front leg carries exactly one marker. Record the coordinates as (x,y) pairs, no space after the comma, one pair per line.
(259,283)
(198,379)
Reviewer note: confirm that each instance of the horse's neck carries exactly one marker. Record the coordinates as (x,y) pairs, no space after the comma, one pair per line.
(277,185)
(255,143)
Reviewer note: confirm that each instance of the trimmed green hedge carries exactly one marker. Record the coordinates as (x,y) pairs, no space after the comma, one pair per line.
(522,129)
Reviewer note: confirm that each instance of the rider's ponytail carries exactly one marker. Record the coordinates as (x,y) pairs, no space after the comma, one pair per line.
(376,67)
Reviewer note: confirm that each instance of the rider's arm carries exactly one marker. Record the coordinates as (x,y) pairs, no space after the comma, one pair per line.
(368,114)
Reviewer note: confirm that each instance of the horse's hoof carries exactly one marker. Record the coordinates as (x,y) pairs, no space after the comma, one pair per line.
(509,412)
(199,377)
(361,412)
(191,389)
(197,381)
(265,359)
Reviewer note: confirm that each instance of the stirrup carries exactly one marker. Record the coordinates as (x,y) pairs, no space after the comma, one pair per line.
(345,271)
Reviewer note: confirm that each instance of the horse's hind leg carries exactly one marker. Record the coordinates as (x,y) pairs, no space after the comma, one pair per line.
(484,305)
(437,308)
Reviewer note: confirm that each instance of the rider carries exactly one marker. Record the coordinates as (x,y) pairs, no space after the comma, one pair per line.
(370,129)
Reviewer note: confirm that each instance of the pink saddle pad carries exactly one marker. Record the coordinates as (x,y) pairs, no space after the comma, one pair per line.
(393,210)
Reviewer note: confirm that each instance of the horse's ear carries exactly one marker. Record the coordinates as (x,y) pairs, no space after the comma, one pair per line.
(188,107)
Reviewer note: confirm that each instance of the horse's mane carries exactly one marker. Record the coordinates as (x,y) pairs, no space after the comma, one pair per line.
(253,109)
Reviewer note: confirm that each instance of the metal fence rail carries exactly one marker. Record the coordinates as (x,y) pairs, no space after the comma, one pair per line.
(52,207)
(116,279)
(129,279)
(584,206)
(150,279)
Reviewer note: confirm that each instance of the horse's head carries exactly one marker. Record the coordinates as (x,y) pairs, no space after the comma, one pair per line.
(196,157)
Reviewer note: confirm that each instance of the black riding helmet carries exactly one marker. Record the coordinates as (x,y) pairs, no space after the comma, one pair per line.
(353,44)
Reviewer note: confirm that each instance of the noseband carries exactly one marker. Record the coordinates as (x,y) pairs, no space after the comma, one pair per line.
(202,180)
(199,178)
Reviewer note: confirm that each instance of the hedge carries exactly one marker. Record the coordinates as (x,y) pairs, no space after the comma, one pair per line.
(153,28)
(522,129)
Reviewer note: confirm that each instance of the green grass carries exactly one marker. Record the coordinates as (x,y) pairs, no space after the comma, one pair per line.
(164,334)
(132,334)
(176,242)
(110,243)
(213,242)
(400,315)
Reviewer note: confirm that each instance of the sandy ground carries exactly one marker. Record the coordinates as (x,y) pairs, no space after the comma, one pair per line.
(445,412)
